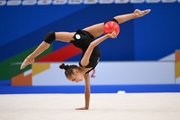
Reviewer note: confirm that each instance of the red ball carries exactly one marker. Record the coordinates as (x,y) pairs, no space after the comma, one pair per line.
(111,26)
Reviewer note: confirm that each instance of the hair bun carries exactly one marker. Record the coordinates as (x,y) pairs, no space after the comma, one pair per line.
(63,66)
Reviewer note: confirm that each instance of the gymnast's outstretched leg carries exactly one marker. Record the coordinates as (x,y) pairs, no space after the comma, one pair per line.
(97,29)
(48,39)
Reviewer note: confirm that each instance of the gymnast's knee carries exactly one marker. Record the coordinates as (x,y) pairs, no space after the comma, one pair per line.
(50,37)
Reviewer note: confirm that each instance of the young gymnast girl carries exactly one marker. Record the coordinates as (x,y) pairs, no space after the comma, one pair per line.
(83,39)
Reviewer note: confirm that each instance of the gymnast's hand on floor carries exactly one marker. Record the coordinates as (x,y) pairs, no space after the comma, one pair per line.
(83,108)
(140,13)
(27,61)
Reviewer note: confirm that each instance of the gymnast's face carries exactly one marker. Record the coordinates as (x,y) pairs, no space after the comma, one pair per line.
(76,76)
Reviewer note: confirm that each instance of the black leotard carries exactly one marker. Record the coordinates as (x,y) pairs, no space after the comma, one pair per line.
(82,39)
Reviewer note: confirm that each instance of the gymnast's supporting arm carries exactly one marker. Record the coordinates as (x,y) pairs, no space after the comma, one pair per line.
(87,92)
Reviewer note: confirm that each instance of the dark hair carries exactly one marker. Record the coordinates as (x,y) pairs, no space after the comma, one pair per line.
(68,69)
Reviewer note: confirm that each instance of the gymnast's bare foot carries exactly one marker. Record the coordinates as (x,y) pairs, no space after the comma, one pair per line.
(27,61)
(140,13)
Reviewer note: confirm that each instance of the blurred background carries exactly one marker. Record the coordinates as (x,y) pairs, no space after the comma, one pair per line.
(144,58)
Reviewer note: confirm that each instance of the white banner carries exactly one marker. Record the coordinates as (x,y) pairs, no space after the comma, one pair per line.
(113,73)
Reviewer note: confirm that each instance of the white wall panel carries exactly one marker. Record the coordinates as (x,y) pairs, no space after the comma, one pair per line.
(114,73)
